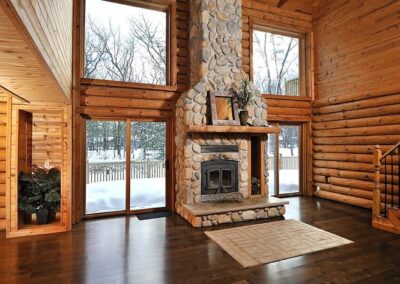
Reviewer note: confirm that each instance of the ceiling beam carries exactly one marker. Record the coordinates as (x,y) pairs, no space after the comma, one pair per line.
(281,3)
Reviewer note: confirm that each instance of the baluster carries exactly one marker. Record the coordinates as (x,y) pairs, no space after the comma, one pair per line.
(398,177)
(385,186)
(391,159)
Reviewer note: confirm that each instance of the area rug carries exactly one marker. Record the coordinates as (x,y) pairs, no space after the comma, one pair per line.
(269,242)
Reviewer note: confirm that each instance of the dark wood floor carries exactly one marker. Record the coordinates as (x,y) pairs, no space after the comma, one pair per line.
(168,250)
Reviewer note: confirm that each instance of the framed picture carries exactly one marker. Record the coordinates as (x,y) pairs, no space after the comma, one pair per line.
(224,108)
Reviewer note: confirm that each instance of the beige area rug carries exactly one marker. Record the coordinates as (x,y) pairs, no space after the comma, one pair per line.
(269,242)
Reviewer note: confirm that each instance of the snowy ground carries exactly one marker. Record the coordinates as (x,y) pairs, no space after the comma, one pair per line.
(110,196)
(288,179)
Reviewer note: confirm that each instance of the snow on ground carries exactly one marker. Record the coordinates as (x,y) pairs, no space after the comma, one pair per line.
(110,156)
(288,179)
(110,195)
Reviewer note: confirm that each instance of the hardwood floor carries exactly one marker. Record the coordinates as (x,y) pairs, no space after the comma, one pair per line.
(168,250)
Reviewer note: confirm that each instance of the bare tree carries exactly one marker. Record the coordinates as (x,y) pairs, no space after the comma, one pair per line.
(276,59)
(94,48)
(139,56)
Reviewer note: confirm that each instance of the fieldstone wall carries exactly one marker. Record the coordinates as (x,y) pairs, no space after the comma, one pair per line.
(216,63)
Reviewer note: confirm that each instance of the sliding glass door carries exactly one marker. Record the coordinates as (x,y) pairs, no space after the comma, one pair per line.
(284,153)
(105,166)
(147,170)
(125,166)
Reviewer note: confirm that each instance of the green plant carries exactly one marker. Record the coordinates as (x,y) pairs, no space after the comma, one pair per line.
(39,189)
(244,94)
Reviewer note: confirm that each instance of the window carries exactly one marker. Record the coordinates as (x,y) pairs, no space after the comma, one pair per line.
(112,179)
(277,62)
(125,43)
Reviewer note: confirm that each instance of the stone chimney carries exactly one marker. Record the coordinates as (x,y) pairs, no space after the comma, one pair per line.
(216,64)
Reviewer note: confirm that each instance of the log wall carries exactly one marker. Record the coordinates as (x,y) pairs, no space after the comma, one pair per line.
(357,87)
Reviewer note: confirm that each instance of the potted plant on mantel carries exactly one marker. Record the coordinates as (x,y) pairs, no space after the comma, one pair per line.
(244,96)
(40,193)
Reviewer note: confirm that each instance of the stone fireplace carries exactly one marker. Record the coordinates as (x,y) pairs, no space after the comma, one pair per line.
(214,170)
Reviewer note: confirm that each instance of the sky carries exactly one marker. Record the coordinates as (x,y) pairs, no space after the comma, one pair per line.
(120,13)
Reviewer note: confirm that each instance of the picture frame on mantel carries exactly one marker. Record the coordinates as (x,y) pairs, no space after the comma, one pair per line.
(224,108)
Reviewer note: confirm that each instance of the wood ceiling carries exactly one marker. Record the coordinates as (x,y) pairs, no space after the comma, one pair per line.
(23,70)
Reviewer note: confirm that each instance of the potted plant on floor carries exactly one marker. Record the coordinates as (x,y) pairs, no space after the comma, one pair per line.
(40,193)
(244,96)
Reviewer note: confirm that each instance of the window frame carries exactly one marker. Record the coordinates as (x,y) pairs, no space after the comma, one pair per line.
(301,36)
(171,66)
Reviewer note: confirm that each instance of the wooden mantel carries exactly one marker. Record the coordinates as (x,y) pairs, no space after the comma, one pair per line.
(253,130)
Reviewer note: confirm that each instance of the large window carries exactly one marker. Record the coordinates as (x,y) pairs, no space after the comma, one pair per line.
(277,60)
(125,43)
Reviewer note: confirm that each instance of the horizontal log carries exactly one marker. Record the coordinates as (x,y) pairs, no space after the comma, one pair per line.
(361,202)
(344,190)
(288,118)
(347,191)
(359,122)
(128,93)
(363,167)
(288,103)
(122,112)
(361,104)
(289,111)
(358,184)
(358,140)
(359,131)
(109,102)
(351,97)
(349,174)
(360,149)
(344,157)
(344,165)
(362,113)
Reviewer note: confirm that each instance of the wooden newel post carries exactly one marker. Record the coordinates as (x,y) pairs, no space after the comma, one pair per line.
(376,201)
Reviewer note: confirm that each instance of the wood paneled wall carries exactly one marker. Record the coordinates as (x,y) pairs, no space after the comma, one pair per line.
(3,120)
(46,138)
(357,56)
(51,141)
(49,24)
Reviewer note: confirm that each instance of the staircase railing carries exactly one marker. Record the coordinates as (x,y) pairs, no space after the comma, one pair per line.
(386,191)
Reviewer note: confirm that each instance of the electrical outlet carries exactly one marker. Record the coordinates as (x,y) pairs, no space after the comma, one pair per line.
(47,165)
